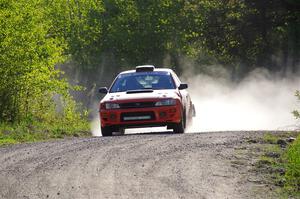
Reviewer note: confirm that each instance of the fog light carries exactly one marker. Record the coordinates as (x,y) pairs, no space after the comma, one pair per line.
(113,117)
(162,114)
(104,115)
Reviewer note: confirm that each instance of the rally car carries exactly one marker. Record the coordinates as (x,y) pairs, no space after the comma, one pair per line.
(145,97)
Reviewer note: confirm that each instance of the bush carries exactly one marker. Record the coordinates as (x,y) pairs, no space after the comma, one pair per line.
(31,131)
(34,97)
(292,157)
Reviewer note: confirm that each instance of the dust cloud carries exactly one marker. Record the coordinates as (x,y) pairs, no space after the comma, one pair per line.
(261,101)
(95,126)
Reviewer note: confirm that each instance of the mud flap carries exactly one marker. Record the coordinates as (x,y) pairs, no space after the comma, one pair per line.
(193,111)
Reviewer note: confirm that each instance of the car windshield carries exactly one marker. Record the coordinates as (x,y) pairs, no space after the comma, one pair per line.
(142,80)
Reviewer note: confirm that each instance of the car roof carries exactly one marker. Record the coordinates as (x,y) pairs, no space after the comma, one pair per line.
(155,70)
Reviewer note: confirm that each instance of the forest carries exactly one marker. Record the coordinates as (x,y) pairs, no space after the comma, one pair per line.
(53,50)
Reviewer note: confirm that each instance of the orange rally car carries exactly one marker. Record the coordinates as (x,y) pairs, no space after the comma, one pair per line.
(145,97)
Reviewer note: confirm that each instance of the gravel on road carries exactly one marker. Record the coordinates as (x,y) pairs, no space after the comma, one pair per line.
(154,165)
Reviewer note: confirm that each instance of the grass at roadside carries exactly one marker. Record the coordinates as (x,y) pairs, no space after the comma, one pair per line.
(37,131)
(282,160)
(292,159)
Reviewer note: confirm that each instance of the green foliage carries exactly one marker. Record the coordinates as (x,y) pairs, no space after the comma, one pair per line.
(282,163)
(78,24)
(31,131)
(134,32)
(270,138)
(33,93)
(28,57)
(292,156)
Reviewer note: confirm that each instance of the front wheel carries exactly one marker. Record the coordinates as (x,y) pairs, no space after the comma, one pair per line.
(106,131)
(180,127)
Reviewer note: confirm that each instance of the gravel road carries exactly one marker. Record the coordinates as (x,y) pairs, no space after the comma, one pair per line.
(158,165)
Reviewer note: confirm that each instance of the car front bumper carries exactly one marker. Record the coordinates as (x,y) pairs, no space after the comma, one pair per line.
(141,117)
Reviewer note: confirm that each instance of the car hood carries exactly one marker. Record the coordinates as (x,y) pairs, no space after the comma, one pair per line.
(156,94)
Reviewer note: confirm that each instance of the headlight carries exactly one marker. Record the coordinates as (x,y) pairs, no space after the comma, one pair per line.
(111,106)
(168,102)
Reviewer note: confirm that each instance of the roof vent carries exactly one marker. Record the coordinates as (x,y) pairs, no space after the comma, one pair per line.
(144,68)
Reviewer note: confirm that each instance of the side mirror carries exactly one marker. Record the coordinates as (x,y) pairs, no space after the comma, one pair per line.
(103,90)
(183,86)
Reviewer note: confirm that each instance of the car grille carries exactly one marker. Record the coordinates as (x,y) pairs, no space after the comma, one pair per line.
(137,116)
(137,105)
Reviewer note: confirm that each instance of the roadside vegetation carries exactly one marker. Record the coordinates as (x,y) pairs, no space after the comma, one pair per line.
(281,162)
(40,131)
(35,100)
(292,158)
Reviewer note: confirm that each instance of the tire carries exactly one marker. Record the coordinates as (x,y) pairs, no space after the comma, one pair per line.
(122,131)
(180,127)
(106,131)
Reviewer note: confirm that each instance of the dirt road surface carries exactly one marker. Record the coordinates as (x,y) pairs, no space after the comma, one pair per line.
(162,165)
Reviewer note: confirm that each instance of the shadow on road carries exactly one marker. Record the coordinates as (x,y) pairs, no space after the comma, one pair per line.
(148,133)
